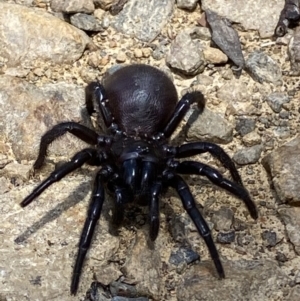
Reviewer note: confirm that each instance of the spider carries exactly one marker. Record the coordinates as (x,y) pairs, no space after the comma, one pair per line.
(139,107)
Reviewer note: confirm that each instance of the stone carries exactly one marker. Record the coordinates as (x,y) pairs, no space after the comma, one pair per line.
(283,165)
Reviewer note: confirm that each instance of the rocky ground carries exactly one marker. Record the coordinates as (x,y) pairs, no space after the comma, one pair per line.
(45,63)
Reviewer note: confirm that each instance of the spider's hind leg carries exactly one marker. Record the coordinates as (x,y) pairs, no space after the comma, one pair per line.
(93,216)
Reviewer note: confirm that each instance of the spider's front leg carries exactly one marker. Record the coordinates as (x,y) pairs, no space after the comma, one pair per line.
(77,161)
(181,109)
(80,131)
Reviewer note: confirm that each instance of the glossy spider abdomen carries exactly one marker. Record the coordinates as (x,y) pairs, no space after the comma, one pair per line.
(141,99)
(139,107)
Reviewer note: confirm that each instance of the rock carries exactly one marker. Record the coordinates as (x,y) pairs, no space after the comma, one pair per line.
(187,4)
(245,13)
(210,127)
(86,22)
(23,29)
(183,255)
(223,219)
(291,219)
(252,139)
(276,100)
(226,237)
(236,94)
(245,280)
(142,19)
(245,126)
(73,6)
(186,55)
(263,68)
(284,167)
(214,56)
(270,237)
(226,38)
(25,120)
(248,155)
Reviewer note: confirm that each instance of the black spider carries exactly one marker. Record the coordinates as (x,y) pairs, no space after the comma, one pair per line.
(138,105)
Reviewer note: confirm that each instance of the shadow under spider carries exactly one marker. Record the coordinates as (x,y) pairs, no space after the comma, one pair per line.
(73,199)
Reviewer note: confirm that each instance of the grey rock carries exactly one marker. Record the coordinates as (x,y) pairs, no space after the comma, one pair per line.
(226,237)
(24,120)
(293,52)
(236,94)
(119,288)
(246,13)
(177,228)
(263,68)
(73,6)
(143,19)
(23,29)
(209,126)
(276,100)
(270,237)
(105,4)
(186,55)
(245,280)
(183,254)
(291,219)
(187,4)
(284,167)
(223,219)
(86,22)
(226,38)
(245,126)
(248,155)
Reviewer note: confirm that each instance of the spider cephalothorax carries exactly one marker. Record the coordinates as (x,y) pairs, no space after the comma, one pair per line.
(140,108)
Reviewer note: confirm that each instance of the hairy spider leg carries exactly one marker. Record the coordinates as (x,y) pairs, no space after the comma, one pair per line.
(198,168)
(195,148)
(181,109)
(77,161)
(189,205)
(80,131)
(156,190)
(93,216)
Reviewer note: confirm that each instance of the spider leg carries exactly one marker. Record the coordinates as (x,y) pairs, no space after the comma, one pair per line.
(154,210)
(189,205)
(78,160)
(181,108)
(195,148)
(191,167)
(80,131)
(95,98)
(93,216)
